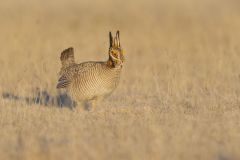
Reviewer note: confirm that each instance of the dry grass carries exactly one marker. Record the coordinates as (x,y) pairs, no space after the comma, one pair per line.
(179,96)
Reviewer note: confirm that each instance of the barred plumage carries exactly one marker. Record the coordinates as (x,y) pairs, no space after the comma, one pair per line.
(91,80)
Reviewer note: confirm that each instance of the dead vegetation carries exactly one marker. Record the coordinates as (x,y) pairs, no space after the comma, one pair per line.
(179,96)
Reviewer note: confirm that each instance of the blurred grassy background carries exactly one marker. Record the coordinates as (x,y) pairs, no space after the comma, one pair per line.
(179,95)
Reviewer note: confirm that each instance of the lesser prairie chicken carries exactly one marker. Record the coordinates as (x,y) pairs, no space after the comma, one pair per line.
(93,80)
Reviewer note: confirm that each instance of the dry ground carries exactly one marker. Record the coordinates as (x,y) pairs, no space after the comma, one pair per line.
(179,96)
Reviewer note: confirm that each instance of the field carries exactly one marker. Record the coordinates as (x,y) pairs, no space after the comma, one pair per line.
(179,95)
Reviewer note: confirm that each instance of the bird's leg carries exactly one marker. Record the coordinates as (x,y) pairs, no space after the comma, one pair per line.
(90,105)
(93,104)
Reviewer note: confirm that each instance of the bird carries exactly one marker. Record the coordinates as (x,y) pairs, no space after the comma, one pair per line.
(93,80)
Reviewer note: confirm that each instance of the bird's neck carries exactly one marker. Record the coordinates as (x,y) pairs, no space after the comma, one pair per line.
(110,62)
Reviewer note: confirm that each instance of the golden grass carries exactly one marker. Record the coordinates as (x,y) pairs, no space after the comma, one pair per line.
(179,96)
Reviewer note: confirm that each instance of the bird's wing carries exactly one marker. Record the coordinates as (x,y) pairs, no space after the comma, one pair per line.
(72,72)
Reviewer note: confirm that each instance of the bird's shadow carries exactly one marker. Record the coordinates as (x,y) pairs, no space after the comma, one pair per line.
(43,98)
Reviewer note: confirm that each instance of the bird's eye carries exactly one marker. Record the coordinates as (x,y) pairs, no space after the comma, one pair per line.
(114,54)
